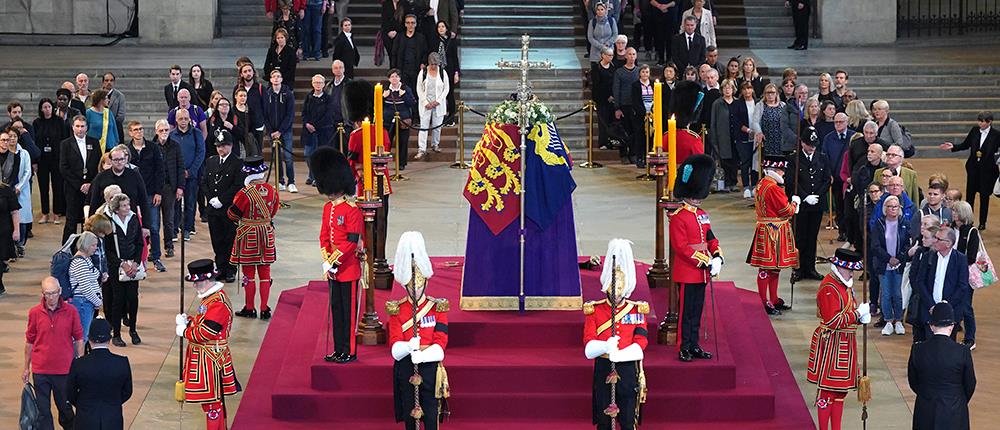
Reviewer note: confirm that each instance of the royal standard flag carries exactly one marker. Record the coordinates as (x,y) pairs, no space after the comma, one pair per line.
(549,183)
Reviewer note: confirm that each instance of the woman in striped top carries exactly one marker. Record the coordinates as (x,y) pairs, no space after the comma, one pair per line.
(84,278)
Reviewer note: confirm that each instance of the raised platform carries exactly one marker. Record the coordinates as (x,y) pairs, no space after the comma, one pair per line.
(526,370)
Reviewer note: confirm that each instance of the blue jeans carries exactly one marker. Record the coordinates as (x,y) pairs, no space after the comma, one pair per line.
(891,295)
(154,228)
(86,311)
(286,159)
(970,319)
(311,141)
(312,31)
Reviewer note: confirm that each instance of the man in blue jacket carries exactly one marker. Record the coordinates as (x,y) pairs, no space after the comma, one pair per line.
(942,276)
(192,145)
(279,112)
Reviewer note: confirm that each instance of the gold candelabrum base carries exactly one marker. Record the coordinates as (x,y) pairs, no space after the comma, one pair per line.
(658,275)
(380,267)
(370,329)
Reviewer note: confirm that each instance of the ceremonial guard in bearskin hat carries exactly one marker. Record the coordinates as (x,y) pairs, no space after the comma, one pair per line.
(208,364)
(418,335)
(773,247)
(685,105)
(697,256)
(833,351)
(614,336)
(253,210)
(358,103)
(220,181)
(340,243)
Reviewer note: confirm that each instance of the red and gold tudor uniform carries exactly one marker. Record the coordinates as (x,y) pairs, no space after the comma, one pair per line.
(339,238)
(833,359)
(773,247)
(208,366)
(630,325)
(432,321)
(253,210)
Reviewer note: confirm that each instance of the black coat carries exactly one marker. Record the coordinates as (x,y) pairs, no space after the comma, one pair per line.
(814,178)
(129,243)
(150,164)
(171,97)
(48,134)
(403,47)
(982,160)
(601,80)
(956,284)
(98,384)
(347,52)
(75,173)
(285,61)
(132,185)
(173,166)
(222,181)
(941,373)
(682,56)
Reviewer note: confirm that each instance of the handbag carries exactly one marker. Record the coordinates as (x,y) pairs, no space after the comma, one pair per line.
(996,188)
(140,274)
(982,273)
(29,418)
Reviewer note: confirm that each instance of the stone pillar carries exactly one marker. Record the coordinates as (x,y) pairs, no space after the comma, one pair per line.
(857,22)
(177,22)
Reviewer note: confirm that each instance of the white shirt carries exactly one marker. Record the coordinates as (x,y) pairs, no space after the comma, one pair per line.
(349,39)
(939,275)
(433,4)
(982,136)
(751,106)
(81,143)
(222,160)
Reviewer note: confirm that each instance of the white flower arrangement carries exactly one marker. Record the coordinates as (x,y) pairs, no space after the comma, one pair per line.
(507,112)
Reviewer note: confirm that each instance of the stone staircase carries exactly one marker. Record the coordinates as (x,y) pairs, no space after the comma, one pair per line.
(767,23)
(731,24)
(493,24)
(242,22)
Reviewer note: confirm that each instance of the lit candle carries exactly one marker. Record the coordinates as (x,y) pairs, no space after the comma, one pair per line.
(366,154)
(658,113)
(672,151)
(379,142)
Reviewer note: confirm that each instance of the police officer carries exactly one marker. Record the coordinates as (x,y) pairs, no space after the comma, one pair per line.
(222,179)
(813,182)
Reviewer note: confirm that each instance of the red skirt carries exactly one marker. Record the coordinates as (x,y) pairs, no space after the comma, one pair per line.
(833,360)
(254,244)
(773,246)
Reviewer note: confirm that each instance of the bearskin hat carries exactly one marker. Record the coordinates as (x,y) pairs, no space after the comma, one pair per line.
(333,174)
(685,102)
(358,100)
(694,176)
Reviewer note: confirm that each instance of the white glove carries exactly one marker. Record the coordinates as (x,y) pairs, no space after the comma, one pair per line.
(329,269)
(400,350)
(716,266)
(812,199)
(632,352)
(613,343)
(797,200)
(414,343)
(417,357)
(181,319)
(864,313)
(595,348)
(215,202)
(180,329)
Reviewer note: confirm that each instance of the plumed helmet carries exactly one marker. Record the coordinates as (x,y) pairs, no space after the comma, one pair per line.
(333,174)
(694,177)
(685,102)
(623,269)
(358,100)
(411,253)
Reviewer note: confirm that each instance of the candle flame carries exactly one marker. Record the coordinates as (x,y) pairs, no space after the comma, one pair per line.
(673,117)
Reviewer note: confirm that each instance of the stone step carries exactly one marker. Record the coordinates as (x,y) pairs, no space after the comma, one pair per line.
(530,9)
(921,81)
(931,113)
(516,31)
(889,93)
(753,10)
(942,103)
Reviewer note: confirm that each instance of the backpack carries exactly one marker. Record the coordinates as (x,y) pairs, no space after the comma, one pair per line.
(59,266)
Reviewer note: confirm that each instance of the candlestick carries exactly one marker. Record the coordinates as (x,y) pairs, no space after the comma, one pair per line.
(366,154)
(658,113)
(379,120)
(672,150)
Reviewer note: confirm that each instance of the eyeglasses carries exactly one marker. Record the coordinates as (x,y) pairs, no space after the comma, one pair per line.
(50,293)
(134,129)
(117,159)
(893,155)
(892,207)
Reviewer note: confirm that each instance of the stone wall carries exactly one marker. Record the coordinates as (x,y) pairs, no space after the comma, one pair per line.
(177,22)
(857,22)
(64,16)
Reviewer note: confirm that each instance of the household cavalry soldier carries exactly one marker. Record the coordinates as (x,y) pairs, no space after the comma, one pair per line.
(208,365)
(833,351)
(815,174)
(358,102)
(418,334)
(340,244)
(697,256)
(773,247)
(220,182)
(253,210)
(614,336)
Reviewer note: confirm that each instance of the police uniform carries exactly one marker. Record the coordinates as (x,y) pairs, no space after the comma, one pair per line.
(422,317)
(694,247)
(833,355)
(253,210)
(221,180)
(773,246)
(618,388)
(339,242)
(208,364)
(815,174)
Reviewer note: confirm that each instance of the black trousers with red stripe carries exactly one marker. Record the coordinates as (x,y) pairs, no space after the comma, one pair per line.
(693,305)
(343,306)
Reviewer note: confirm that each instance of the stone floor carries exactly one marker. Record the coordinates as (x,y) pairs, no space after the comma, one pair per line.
(609,203)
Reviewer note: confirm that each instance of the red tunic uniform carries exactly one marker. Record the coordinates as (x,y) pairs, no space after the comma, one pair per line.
(693,244)
(833,355)
(432,316)
(209,373)
(688,144)
(773,244)
(354,148)
(339,237)
(253,208)
(432,321)
(629,324)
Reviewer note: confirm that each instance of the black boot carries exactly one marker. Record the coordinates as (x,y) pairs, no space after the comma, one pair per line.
(247,313)
(697,352)
(333,358)
(117,340)
(135,337)
(265,314)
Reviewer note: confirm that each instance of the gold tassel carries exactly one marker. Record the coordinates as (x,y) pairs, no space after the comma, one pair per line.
(179,391)
(864,389)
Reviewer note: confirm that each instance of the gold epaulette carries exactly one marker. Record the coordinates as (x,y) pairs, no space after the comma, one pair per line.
(641,306)
(392,307)
(441,305)
(588,307)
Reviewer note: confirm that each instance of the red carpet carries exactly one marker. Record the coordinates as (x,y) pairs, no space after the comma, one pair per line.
(527,370)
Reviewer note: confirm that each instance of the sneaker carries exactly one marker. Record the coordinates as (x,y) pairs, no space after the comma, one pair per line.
(971,343)
(292,188)
(746,193)
(436,148)
(159,266)
(900,330)
(281,187)
(57,221)
(170,252)
(309,181)
(887,330)
(420,155)
(187,236)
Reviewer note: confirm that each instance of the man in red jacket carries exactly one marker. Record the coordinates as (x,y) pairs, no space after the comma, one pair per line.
(697,256)
(53,338)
